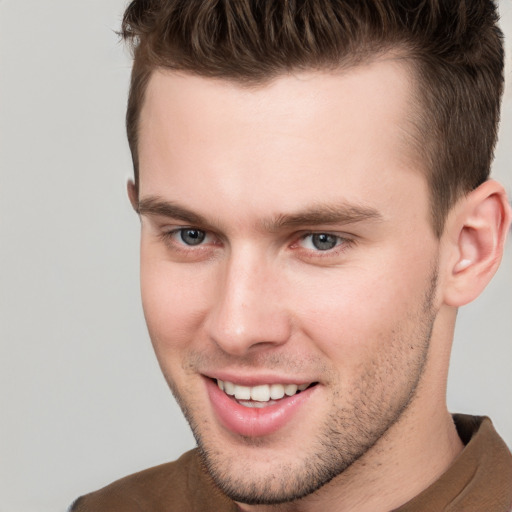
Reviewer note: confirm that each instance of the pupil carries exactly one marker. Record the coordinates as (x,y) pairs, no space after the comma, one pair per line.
(324,242)
(192,236)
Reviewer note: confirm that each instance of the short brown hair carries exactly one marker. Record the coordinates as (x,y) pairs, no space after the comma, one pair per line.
(455,48)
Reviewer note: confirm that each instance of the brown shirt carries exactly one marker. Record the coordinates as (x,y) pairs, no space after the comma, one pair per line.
(479,480)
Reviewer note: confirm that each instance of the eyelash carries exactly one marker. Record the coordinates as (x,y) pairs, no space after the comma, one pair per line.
(168,238)
(342,243)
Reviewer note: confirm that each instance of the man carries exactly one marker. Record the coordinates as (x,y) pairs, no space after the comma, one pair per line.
(312,180)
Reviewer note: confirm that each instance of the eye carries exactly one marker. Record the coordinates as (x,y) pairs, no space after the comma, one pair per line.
(188,243)
(191,236)
(321,241)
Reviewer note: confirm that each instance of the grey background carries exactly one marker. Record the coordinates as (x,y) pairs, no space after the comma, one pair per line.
(82,401)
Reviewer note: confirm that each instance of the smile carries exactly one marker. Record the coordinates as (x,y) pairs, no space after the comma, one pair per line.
(260,410)
(262,395)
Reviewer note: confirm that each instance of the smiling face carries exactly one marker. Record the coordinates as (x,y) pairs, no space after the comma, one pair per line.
(288,269)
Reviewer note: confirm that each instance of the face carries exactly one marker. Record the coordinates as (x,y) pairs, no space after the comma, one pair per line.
(288,268)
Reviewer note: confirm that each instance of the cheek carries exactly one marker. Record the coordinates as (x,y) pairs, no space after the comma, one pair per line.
(174,303)
(361,310)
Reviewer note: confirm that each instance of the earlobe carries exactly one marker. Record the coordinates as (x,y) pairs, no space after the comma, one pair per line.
(479,227)
(132,194)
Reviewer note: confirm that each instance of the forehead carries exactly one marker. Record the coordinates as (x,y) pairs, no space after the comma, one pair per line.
(382,87)
(301,137)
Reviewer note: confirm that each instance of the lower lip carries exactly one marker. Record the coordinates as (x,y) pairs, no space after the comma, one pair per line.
(251,421)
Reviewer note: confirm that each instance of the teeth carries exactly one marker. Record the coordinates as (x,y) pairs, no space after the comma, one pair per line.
(276,391)
(255,405)
(242,392)
(290,389)
(229,388)
(261,393)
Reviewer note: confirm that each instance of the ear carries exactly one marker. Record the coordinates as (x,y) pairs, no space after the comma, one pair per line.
(133,195)
(476,231)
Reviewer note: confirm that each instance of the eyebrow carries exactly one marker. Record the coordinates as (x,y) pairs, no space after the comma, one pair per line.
(319,214)
(326,214)
(156,206)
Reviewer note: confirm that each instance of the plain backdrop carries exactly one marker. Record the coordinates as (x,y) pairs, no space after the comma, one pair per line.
(82,401)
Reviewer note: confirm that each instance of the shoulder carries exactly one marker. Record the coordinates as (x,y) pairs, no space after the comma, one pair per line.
(479,479)
(182,485)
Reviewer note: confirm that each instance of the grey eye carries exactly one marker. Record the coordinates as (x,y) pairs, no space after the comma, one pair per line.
(324,241)
(192,236)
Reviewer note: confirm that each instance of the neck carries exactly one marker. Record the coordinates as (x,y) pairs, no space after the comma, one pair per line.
(401,465)
(412,455)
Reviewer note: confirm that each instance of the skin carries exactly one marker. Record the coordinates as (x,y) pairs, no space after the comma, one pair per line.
(258,171)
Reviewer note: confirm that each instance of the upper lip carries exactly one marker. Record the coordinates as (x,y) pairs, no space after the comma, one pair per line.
(256,380)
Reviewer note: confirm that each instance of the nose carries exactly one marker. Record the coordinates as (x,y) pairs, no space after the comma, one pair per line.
(248,312)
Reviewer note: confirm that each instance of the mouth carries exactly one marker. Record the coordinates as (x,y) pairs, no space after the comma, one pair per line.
(263,395)
(261,409)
